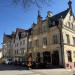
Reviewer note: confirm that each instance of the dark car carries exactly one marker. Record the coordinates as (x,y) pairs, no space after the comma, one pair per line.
(16,62)
(24,63)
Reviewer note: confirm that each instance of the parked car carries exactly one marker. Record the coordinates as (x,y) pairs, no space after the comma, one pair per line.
(7,61)
(24,63)
(16,62)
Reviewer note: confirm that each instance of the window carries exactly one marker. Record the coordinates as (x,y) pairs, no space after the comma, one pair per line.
(44,27)
(53,22)
(14,41)
(20,43)
(74,53)
(55,39)
(17,45)
(72,26)
(45,41)
(69,24)
(69,56)
(23,42)
(68,39)
(46,57)
(22,50)
(73,40)
(17,52)
(30,44)
(37,43)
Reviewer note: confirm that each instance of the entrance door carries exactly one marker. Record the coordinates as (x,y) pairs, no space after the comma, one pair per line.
(38,59)
(55,58)
(46,57)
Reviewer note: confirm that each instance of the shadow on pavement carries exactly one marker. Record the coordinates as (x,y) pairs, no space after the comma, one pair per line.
(4,67)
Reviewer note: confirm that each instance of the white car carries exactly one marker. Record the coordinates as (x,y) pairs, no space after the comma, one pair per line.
(7,61)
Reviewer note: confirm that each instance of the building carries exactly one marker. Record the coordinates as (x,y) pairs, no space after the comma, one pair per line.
(7,50)
(19,44)
(52,40)
(0,53)
(15,45)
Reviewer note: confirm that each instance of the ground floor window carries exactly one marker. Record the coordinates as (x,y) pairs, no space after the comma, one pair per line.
(74,54)
(47,57)
(69,56)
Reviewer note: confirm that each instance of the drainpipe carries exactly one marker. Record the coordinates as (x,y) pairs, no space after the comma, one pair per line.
(29,63)
(61,40)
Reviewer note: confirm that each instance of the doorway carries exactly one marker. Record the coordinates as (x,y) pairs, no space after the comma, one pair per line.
(55,58)
(46,57)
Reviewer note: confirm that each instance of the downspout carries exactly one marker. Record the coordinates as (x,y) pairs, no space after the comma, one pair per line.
(61,42)
(29,63)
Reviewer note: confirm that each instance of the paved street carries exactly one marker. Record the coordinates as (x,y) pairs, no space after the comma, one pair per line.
(4,67)
(18,70)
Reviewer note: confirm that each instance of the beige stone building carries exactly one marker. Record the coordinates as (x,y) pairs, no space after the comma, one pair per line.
(15,45)
(19,44)
(52,40)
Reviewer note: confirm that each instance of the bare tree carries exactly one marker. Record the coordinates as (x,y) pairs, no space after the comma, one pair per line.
(29,3)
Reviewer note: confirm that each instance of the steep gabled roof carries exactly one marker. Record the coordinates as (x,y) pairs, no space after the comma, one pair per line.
(9,36)
(19,30)
(64,13)
(59,15)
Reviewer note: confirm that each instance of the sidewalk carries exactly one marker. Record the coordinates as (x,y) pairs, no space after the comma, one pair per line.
(53,71)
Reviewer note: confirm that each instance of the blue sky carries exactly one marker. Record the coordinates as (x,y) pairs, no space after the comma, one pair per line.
(12,17)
